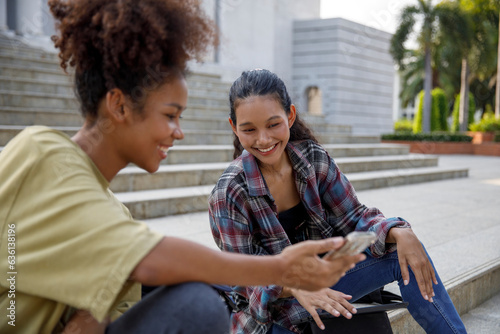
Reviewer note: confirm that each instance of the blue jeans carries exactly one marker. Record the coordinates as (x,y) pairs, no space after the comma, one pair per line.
(439,317)
(184,308)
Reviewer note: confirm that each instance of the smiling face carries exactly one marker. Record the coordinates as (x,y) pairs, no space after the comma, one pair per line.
(154,131)
(263,128)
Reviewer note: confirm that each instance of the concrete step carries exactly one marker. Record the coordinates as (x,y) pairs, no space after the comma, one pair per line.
(7,132)
(399,177)
(188,175)
(196,154)
(9,83)
(161,202)
(33,99)
(193,136)
(484,318)
(319,123)
(468,290)
(457,221)
(36,86)
(186,154)
(10,40)
(16,48)
(39,73)
(25,60)
(68,101)
(71,117)
(39,116)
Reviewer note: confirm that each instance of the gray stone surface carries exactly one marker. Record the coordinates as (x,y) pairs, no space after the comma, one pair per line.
(351,66)
(440,212)
(484,319)
(457,220)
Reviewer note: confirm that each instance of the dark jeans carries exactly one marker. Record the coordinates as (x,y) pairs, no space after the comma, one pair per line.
(439,317)
(183,308)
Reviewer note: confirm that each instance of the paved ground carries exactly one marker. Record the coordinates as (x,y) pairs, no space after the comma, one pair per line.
(457,220)
(484,319)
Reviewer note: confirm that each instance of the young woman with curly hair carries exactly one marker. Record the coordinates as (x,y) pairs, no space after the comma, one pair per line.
(80,257)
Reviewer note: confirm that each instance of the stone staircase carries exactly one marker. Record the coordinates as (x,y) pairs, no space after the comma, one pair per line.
(34,90)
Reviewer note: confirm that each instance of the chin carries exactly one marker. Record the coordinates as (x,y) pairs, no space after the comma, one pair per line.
(150,168)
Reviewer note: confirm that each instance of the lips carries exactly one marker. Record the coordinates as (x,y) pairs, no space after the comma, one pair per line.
(266,150)
(163,151)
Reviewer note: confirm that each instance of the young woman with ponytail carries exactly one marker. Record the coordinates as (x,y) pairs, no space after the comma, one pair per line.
(283,188)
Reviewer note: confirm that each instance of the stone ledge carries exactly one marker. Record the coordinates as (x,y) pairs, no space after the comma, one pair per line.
(467,291)
(430,147)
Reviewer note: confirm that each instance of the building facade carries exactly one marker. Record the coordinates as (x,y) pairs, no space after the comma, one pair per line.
(333,67)
(351,68)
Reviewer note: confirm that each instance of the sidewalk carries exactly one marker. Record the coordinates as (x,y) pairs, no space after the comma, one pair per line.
(440,212)
(457,220)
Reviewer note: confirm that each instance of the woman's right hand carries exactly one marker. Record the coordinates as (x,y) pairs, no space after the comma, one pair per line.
(334,302)
(305,270)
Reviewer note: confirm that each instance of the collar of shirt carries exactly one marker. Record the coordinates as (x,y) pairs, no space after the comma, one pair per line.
(255,181)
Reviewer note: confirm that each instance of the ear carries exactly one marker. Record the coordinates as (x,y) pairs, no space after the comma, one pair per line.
(233,126)
(291,116)
(115,105)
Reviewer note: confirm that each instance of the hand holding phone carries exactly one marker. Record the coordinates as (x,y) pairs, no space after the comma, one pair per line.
(355,243)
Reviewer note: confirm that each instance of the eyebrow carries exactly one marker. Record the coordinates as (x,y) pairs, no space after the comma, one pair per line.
(176,105)
(250,123)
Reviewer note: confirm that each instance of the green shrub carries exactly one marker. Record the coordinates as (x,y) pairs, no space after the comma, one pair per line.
(438,111)
(417,122)
(487,124)
(437,136)
(403,125)
(456,110)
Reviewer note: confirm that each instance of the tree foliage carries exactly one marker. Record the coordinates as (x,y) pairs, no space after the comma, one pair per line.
(455,30)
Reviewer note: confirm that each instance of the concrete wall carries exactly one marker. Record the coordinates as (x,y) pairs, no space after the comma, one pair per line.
(352,66)
(27,17)
(256,34)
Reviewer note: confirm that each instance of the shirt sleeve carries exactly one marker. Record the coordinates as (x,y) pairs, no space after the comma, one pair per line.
(76,244)
(345,211)
(230,229)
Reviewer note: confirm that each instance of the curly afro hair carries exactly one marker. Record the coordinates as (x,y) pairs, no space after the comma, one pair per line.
(126,44)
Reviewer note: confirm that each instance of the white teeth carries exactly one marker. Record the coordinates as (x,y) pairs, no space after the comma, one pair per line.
(162,148)
(267,149)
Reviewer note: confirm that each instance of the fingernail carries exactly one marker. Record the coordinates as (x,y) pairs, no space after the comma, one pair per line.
(431,300)
(406,282)
(426,297)
(354,311)
(322,327)
(433,294)
(349,315)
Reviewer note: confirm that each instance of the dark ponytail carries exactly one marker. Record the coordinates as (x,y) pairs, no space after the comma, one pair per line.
(260,83)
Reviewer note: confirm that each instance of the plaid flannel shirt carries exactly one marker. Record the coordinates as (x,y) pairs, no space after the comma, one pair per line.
(244,219)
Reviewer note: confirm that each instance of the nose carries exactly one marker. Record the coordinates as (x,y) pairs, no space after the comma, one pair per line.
(178,134)
(263,138)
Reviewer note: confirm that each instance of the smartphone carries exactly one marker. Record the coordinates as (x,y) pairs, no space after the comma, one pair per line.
(355,243)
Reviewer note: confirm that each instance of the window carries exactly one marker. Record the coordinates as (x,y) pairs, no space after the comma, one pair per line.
(314,102)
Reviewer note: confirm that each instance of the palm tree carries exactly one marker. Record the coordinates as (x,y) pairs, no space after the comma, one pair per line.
(457,30)
(485,18)
(428,15)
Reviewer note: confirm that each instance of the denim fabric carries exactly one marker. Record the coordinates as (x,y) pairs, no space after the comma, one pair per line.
(439,317)
(276,329)
(185,308)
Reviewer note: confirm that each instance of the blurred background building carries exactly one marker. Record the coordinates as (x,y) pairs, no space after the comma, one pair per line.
(332,67)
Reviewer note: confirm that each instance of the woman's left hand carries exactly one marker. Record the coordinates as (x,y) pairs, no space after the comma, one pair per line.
(411,253)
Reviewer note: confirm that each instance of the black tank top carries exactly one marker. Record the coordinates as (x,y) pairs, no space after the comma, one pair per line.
(293,220)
